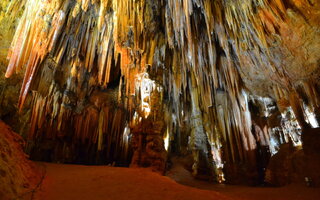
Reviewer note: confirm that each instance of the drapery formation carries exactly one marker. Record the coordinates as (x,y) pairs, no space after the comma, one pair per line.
(183,70)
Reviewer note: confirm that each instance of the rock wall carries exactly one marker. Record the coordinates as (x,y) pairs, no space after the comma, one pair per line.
(19,177)
(9,88)
(224,81)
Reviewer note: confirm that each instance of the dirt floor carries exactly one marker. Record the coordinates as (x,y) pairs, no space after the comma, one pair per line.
(75,182)
(103,182)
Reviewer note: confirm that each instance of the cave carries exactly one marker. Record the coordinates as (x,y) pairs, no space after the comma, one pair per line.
(159,99)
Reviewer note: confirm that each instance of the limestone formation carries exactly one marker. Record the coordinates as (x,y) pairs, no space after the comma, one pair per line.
(135,81)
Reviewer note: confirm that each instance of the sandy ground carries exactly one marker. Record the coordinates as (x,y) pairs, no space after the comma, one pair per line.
(76,182)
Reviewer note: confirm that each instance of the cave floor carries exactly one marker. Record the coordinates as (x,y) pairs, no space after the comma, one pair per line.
(103,182)
(290,192)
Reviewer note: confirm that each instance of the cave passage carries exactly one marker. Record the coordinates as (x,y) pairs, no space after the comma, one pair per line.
(210,93)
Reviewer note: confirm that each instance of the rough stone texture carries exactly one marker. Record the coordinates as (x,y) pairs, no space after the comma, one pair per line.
(294,48)
(311,142)
(279,169)
(148,134)
(293,165)
(19,177)
(208,56)
(9,88)
(305,169)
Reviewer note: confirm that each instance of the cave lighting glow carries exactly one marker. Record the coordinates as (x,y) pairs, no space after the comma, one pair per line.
(146,86)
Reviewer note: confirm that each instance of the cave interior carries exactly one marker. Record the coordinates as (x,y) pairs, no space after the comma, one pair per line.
(227,89)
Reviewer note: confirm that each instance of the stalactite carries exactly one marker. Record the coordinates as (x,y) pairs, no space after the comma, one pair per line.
(198,142)
(193,55)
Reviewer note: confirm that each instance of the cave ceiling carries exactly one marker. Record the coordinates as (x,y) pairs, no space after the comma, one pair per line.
(101,73)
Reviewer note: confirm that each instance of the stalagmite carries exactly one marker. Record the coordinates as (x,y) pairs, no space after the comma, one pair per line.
(125,79)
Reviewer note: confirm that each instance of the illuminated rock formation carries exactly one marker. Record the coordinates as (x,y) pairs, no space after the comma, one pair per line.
(135,81)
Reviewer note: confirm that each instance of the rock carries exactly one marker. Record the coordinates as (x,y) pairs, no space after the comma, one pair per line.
(292,165)
(278,172)
(311,141)
(18,175)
